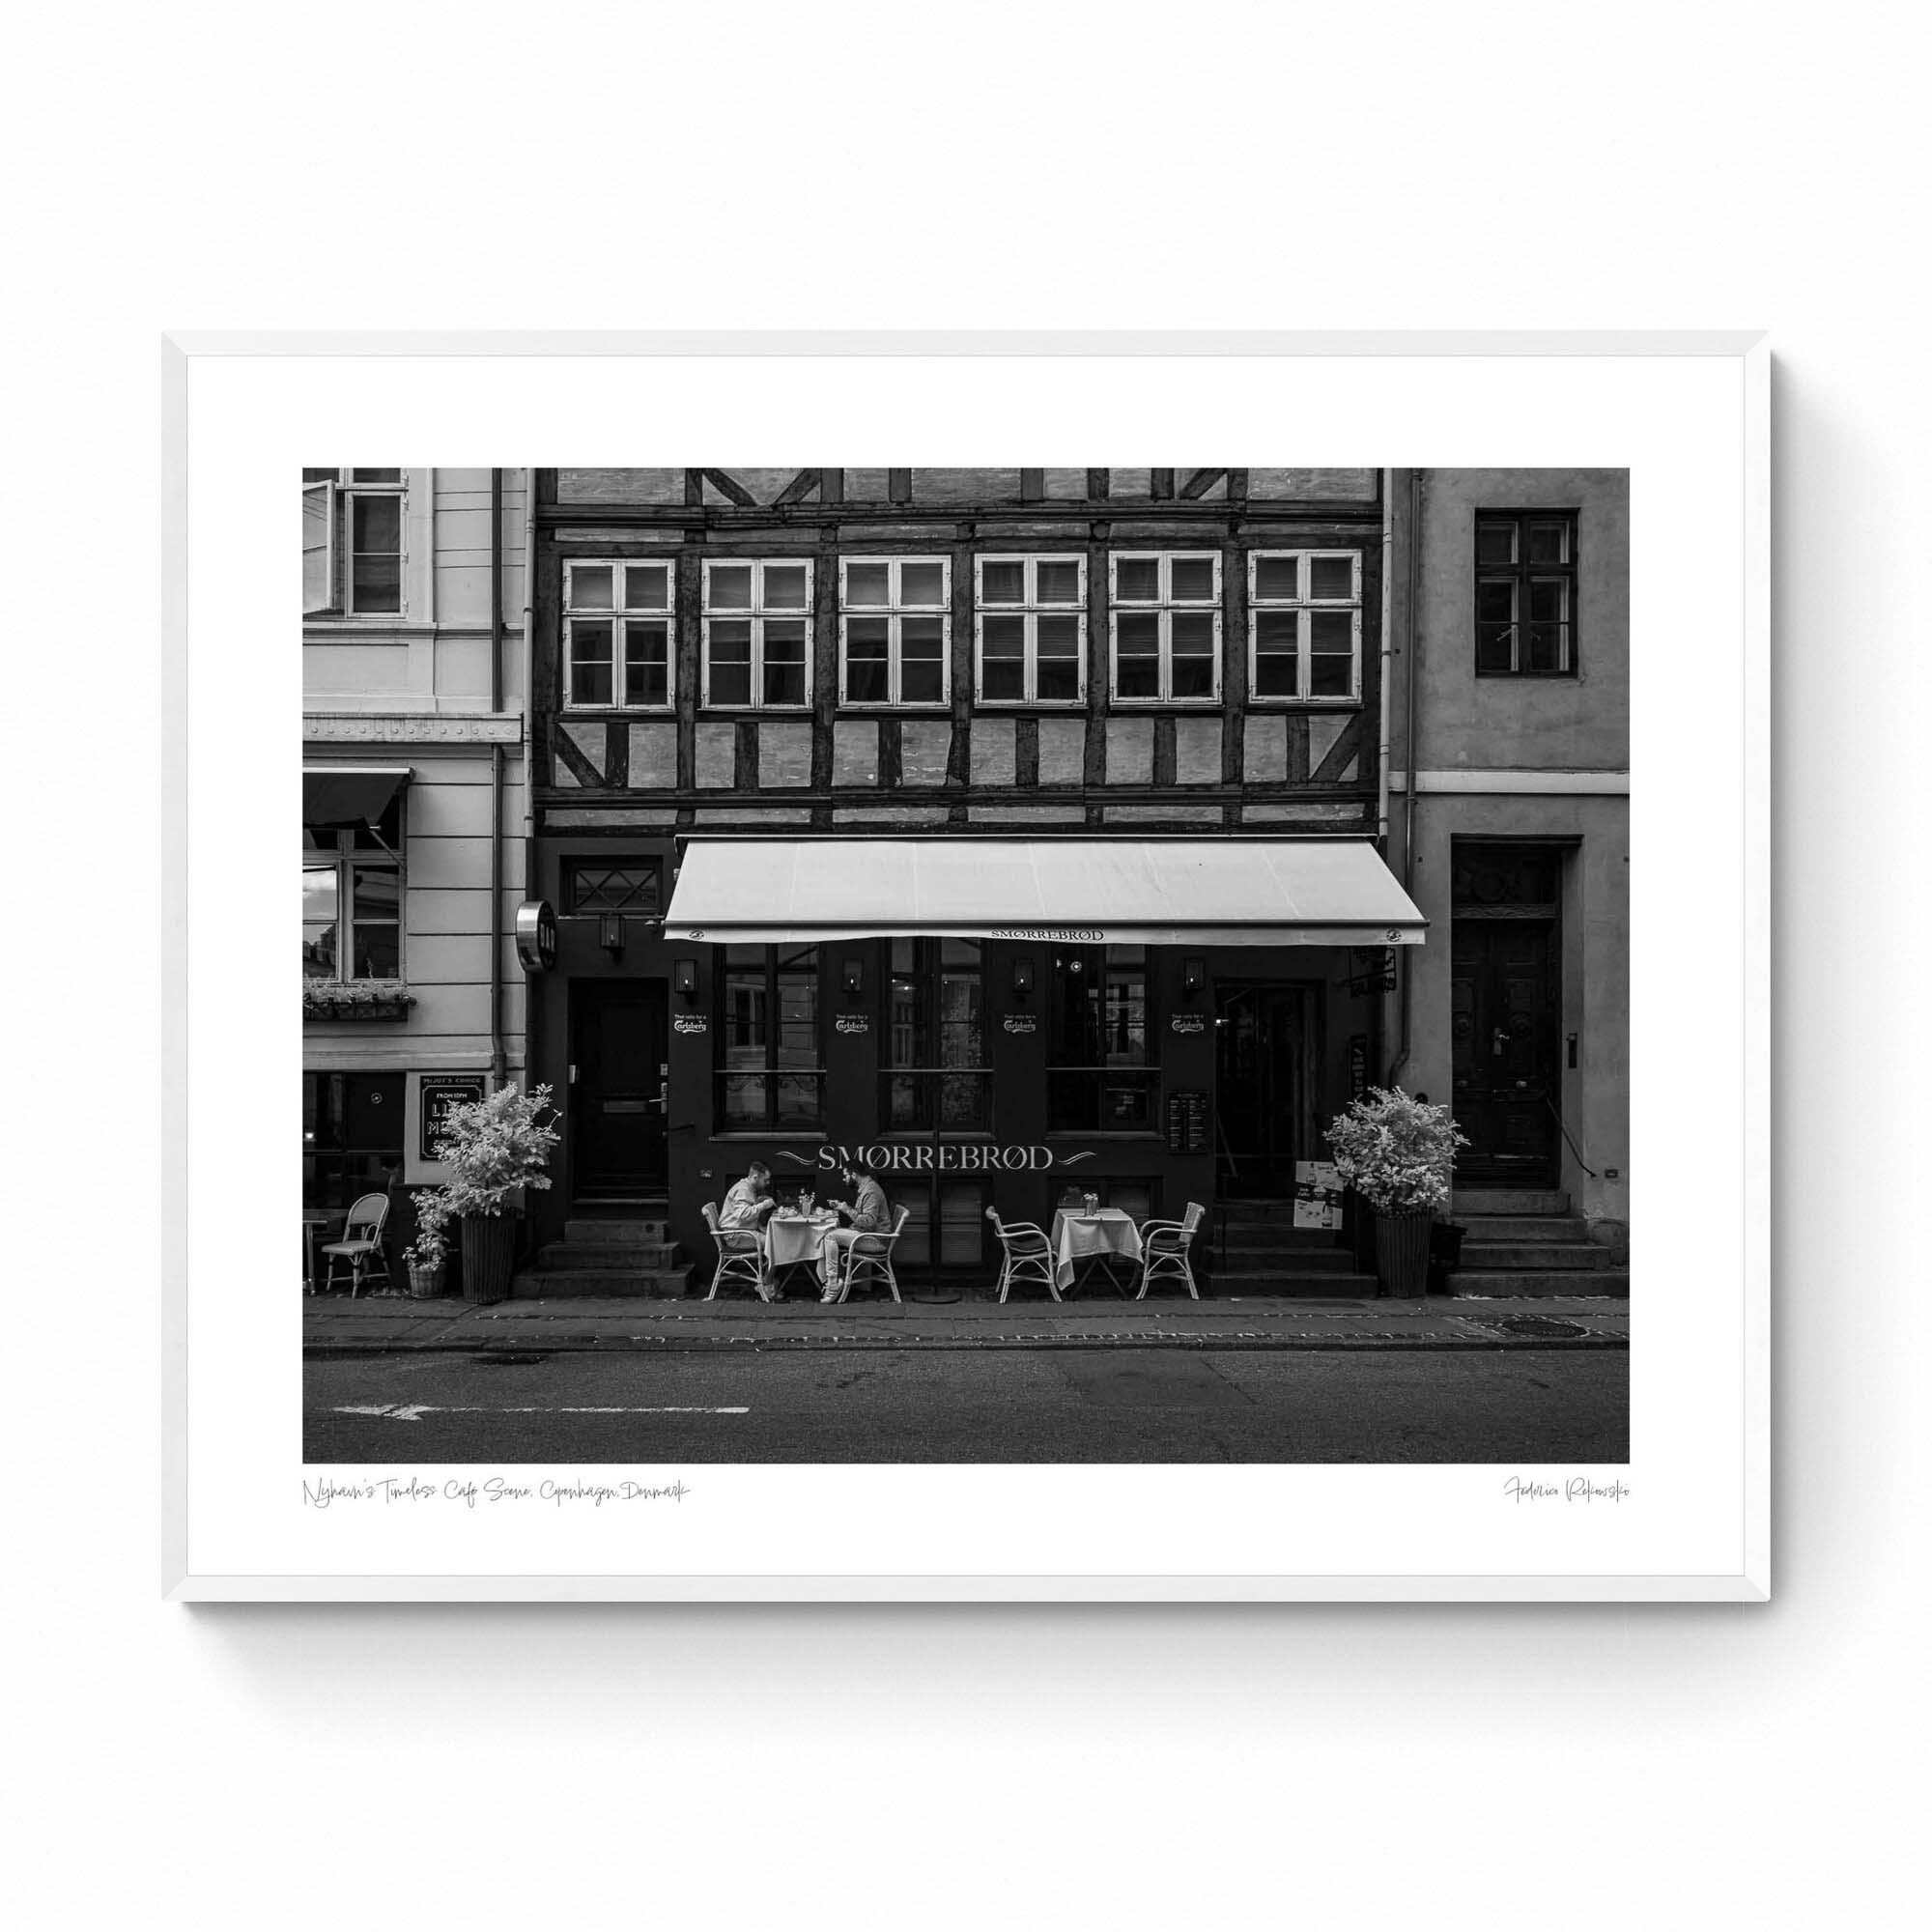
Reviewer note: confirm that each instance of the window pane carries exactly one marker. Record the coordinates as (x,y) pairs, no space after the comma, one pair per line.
(590,586)
(319,922)
(1495,602)
(1002,638)
(1137,577)
(1058,580)
(1059,680)
(1002,681)
(868,584)
(921,667)
(1277,653)
(1494,646)
(784,663)
(1331,675)
(1192,578)
(1548,599)
(1058,636)
(1333,631)
(376,903)
(727,586)
(1331,577)
(647,586)
(1193,677)
(1137,668)
(1495,543)
(646,663)
(1193,633)
(378,583)
(591,660)
(1278,577)
(744,1100)
(867,655)
(374,475)
(921,584)
(728,643)
(784,586)
(1003,583)
(320,475)
(1547,543)
(378,524)
(1548,646)
(378,951)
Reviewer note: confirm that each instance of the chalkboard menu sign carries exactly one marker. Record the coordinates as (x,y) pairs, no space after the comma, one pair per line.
(440,1092)
(1188,1120)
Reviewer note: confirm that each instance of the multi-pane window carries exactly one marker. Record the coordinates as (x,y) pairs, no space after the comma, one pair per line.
(1526,593)
(592,886)
(770,1075)
(1100,1069)
(946,1221)
(1032,630)
(352,542)
(1305,626)
(352,899)
(935,1064)
(617,632)
(757,632)
(1167,626)
(894,630)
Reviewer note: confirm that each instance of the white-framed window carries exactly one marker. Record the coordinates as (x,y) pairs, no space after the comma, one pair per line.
(757,632)
(352,542)
(1305,626)
(352,899)
(894,630)
(1165,611)
(617,632)
(1031,629)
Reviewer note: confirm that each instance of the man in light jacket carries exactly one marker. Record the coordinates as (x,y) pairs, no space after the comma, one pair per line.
(869,1213)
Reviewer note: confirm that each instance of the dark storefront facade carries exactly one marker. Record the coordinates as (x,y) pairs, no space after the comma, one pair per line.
(1015,829)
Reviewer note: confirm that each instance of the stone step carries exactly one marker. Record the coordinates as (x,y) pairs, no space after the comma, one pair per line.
(593,1228)
(1582,1255)
(618,1254)
(1341,1284)
(1507,1201)
(1527,1281)
(1523,1227)
(545,1284)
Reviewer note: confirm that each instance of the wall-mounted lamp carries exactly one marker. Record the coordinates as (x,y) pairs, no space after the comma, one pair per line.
(1193,974)
(683,979)
(1023,979)
(610,934)
(853,979)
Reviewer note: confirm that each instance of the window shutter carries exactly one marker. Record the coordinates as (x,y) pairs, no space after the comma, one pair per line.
(318,547)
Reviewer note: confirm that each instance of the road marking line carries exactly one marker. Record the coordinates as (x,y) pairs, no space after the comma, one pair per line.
(414,1411)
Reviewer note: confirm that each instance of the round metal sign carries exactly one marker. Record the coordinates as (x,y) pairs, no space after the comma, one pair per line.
(536,936)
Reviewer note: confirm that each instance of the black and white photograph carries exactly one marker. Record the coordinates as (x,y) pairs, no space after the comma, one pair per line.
(972,965)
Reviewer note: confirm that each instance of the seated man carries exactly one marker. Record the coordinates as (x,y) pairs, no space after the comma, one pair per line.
(748,1204)
(870,1213)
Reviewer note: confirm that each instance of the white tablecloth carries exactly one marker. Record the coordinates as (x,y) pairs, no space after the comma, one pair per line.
(788,1244)
(1110,1231)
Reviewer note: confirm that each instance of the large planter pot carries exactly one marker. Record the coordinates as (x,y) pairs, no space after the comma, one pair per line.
(1402,1251)
(489,1256)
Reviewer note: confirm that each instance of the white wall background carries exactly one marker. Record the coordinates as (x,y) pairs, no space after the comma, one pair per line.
(1080,166)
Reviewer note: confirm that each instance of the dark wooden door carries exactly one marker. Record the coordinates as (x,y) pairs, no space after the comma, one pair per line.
(1260,1092)
(1504,1029)
(617,1092)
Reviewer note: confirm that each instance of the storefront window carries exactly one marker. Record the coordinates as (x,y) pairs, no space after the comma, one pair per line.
(946,1222)
(351,1136)
(935,1073)
(1100,1077)
(770,1075)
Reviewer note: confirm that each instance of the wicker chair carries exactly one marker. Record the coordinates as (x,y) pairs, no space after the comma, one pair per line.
(741,1256)
(1164,1246)
(1024,1254)
(362,1243)
(875,1252)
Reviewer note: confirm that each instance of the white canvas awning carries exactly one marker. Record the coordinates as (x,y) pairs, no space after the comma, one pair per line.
(1153,892)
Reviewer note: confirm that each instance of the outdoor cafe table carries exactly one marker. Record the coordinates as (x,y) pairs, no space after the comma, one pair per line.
(1098,1237)
(791,1244)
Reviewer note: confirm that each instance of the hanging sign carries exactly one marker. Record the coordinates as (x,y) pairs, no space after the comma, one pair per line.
(1372,969)
(536,936)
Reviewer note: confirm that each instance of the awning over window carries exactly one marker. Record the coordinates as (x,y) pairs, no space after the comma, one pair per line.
(1155,892)
(337,795)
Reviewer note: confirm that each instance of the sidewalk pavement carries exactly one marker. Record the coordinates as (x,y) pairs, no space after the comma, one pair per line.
(379,1324)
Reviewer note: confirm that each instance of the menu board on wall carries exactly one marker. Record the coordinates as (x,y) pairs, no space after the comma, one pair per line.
(1188,1120)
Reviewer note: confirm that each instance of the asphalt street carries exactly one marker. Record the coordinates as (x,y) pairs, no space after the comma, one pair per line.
(1059,1404)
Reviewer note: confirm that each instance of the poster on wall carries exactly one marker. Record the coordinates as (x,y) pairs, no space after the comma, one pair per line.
(1317,1194)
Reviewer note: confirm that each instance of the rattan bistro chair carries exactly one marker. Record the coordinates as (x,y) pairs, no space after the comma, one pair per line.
(875,1252)
(362,1243)
(741,1256)
(1164,1246)
(1024,1254)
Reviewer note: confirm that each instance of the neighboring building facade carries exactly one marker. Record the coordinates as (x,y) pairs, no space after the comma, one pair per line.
(990,663)
(1511,826)
(413,756)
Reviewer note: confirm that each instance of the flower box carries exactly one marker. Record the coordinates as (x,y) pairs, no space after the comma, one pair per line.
(356,1000)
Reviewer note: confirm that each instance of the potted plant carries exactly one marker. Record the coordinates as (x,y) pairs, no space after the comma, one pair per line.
(428,1253)
(1398,1154)
(494,1147)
